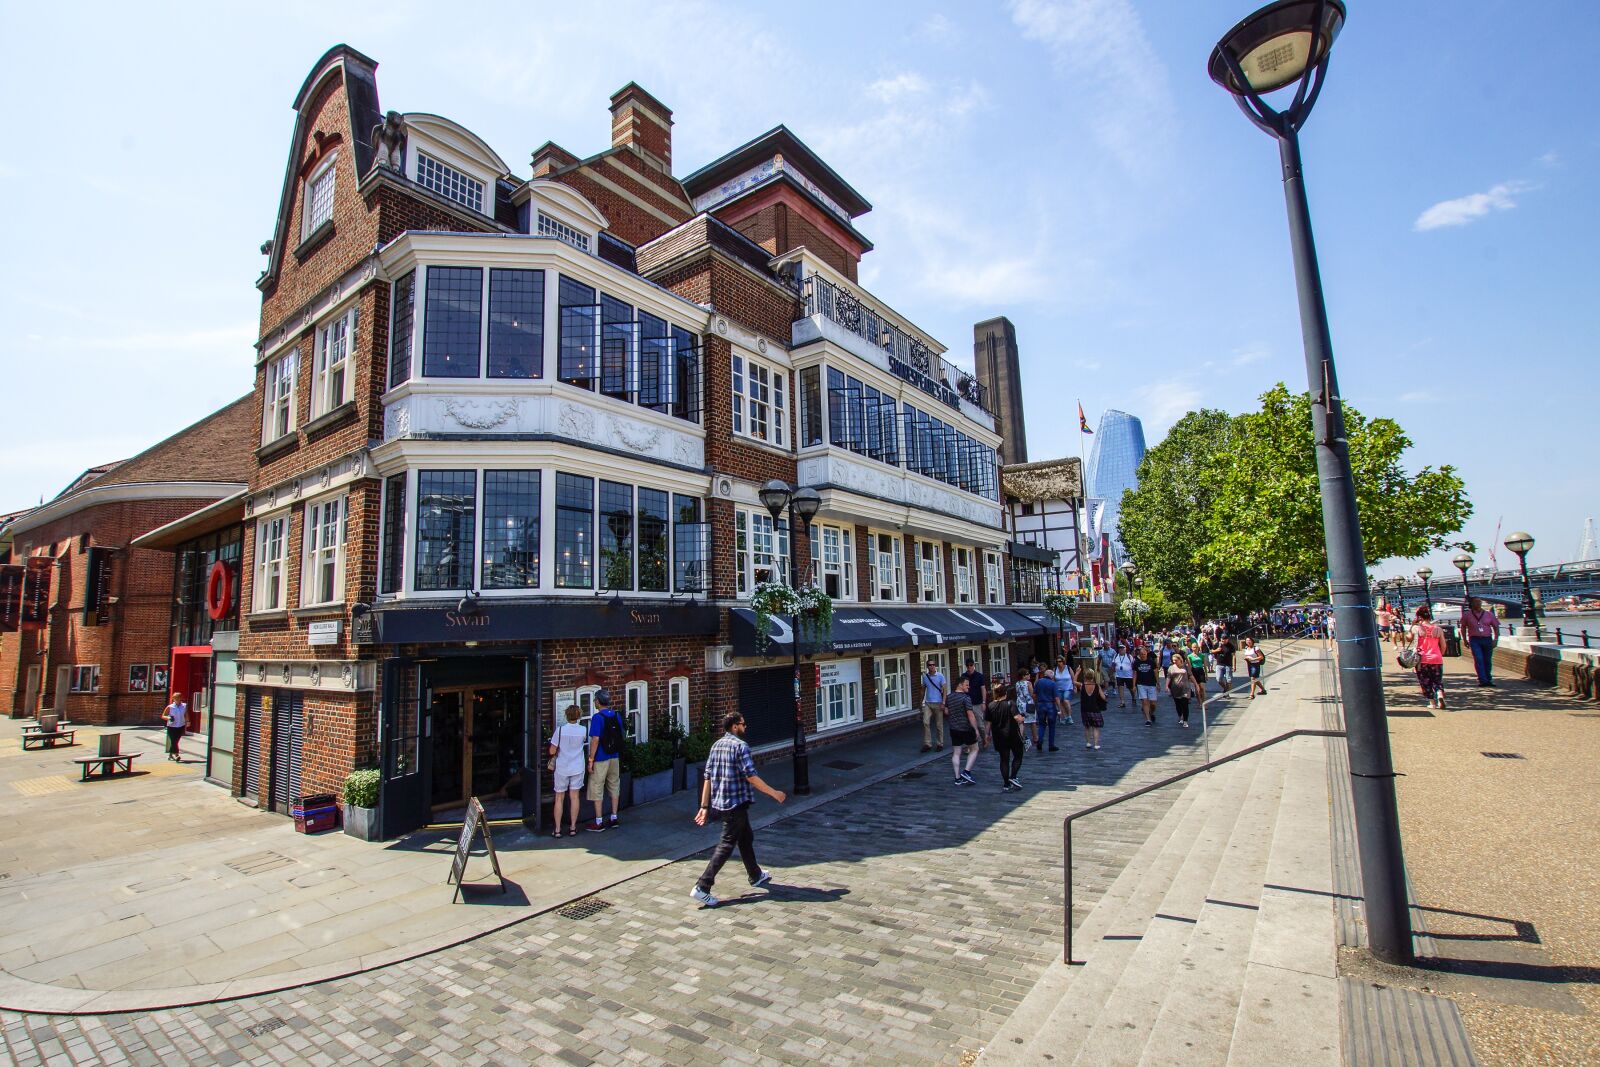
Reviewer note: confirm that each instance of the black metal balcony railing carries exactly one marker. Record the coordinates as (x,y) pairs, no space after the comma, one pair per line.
(950,383)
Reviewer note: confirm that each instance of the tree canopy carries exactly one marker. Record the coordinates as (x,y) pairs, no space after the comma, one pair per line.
(1227,515)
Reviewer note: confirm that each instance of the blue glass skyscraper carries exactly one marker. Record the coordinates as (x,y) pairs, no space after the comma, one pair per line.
(1114,460)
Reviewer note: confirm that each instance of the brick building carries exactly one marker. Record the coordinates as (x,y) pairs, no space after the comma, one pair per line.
(97,648)
(511,435)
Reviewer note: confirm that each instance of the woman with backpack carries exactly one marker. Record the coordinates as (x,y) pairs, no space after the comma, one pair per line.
(1426,643)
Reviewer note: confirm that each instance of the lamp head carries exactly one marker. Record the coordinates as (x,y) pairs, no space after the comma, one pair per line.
(775,496)
(1276,45)
(1463,562)
(1520,542)
(806,501)
(1424,573)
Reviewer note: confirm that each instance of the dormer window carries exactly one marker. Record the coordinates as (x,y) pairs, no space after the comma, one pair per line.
(319,197)
(549,227)
(449,182)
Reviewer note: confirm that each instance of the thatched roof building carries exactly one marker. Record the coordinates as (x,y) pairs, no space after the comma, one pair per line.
(1050,479)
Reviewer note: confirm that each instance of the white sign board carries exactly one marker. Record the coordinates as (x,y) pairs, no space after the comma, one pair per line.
(323,633)
(838,672)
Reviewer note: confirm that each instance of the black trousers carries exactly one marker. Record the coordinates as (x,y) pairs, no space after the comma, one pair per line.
(735,832)
(1011,750)
(174,735)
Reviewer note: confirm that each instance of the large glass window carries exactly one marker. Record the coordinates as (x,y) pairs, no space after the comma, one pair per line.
(447,507)
(653,524)
(616,535)
(402,322)
(761,549)
(278,407)
(271,577)
(516,323)
(574,532)
(691,546)
(510,529)
(450,336)
(394,532)
(322,569)
(579,334)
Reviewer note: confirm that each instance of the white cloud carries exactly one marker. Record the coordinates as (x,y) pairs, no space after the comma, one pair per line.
(908,83)
(1163,403)
(1087,364)
(1419,396)
(1101,46)
(1470,208)
(1255,352)
(1549,159)
(937,28)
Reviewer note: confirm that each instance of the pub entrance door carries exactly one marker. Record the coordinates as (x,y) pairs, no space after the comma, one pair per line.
(477,742)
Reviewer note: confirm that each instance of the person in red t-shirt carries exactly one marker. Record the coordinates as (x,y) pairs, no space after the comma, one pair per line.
(1428,639)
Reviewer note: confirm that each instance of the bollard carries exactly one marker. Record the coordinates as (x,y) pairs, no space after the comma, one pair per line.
(1586,639)
(1559,640)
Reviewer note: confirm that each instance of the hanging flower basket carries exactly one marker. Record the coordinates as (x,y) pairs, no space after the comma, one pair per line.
(1133,607)
(812,607)
(1060,606)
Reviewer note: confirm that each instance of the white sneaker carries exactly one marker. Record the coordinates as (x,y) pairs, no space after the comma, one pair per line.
(766,876)
(704,899)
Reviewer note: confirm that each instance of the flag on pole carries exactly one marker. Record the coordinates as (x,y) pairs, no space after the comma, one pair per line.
(1083,422)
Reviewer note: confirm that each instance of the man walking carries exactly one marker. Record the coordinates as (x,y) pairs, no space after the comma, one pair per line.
(1483,633)
(934,690)
(1045,694)
(729,789)
(977,687)
(963,733)
(605,760)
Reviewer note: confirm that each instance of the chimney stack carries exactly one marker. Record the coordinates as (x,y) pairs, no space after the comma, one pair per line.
(641,121)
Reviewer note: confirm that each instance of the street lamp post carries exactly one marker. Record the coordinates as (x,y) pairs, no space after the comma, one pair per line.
(802,505)
(1521,543)
(1463,563)
(1426,574)
(1284,44)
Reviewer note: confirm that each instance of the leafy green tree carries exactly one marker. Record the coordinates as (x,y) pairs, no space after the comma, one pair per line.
(1161,610)
(1270,516)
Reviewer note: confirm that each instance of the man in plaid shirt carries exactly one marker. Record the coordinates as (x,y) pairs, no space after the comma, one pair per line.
(729,790)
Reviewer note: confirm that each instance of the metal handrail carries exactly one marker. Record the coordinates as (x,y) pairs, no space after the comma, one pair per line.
(1066,824)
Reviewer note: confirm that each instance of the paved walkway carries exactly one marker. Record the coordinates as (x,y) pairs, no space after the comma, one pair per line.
(909,920)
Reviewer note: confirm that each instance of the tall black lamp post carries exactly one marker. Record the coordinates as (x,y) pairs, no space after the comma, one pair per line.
(1521,542)
(802,505)
(1282,45)
(1426,574)
(1463,564)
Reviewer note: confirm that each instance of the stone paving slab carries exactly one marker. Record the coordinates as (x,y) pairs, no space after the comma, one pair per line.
(908,920)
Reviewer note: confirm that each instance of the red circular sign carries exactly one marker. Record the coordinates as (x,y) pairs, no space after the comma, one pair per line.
(219,590)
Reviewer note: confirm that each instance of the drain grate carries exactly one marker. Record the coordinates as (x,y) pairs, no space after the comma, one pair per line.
(587,908)
(844,765)
(259,863)
(1505,755)
(265,1027)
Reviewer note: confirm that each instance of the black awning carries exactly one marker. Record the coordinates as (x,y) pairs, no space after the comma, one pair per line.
(923,627)
(509,620)
(854,630)
(1043,618)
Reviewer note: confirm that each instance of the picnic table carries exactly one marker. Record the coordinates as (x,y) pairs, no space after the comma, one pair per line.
(46,738)
(106,766)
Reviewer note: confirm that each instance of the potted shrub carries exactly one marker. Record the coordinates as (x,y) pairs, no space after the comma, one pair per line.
(361,805)
(650,765)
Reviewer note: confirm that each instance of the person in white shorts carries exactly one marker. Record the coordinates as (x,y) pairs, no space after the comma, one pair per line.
(567,748)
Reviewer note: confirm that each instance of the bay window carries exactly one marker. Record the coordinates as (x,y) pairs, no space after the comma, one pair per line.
(574,531)
(394,533)
(402,327)
(653,525)
(760,548)
(516,323)
(579,334)
(691,545)
(966,579)
(451,333)
(510,529)
(887,563)
(447,508)
(271,577)
(616,535)
(322,568)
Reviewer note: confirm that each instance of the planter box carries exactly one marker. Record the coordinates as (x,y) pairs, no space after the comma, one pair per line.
(652,787)
(361,822)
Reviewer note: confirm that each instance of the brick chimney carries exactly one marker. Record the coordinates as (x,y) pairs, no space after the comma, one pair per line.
(640,120)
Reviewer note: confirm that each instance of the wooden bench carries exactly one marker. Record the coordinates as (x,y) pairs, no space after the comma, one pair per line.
(42,739)
(106,766)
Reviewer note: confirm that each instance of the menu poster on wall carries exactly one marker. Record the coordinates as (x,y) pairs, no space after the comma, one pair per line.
(97,597)
(11,580)
(36,592)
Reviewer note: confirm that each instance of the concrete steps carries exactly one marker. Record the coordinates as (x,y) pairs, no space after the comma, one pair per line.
(1190,956)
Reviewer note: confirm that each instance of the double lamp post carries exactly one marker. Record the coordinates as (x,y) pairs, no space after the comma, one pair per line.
(802,505)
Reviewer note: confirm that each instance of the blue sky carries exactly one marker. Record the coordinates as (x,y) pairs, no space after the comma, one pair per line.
(1064,163)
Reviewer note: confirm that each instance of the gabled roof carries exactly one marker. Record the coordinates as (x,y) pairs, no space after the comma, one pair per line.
(779,140)
(90,475)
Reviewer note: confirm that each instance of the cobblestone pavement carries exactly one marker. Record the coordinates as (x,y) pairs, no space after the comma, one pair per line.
(905,923)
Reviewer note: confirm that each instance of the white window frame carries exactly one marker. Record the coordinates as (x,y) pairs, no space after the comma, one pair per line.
(761,537)
(930,572)
(760,397)
(547,226)
(837,558)
(334,381)
(961,561)
(452,183)
(280,402)
(999,662)
(636,711)
(848,698)
(272,573)
(979,660)
(994,577)
(583,696)
(896,563)
(942,656)
(884,668)
(75,679)
(315,211)
(678,702)
(317,554)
